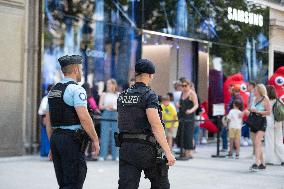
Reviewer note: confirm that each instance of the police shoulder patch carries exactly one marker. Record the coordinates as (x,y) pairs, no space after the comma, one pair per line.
(83,96)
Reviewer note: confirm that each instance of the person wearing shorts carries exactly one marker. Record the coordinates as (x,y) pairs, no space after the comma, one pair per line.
(169,116)
(235,125)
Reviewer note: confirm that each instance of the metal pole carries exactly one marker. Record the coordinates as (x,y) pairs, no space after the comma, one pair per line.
(219,125)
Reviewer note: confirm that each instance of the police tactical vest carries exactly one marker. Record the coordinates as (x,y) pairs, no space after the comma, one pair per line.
(61,114)
(131,107)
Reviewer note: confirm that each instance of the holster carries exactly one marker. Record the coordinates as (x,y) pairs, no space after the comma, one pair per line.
(83,139)
(161,163)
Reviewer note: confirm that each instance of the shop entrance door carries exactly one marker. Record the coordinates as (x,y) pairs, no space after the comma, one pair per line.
(173,58)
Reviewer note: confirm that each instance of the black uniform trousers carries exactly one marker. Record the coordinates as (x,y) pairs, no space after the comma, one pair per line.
(135,157)
(69,162)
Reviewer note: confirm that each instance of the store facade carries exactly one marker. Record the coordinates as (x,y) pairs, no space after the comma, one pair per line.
(201,40)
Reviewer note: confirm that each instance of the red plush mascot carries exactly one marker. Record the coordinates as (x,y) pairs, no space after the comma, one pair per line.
(236,79)
(277,80)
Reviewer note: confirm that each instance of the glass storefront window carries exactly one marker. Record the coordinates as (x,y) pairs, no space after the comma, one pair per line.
(110,36)
(101,31)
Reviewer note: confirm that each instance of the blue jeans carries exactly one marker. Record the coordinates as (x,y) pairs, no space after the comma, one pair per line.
(224,136)
(196,135)
(44,142)
(245,131)
(108,128)
(203,132)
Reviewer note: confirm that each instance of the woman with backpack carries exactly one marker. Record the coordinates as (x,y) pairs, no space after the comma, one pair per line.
(274,148)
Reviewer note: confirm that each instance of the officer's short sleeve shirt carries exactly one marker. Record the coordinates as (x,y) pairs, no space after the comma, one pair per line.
(75,95)
(152,100)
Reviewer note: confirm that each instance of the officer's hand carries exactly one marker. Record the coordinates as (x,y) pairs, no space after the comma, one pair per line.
(50,155)
(171,159)
(96,148)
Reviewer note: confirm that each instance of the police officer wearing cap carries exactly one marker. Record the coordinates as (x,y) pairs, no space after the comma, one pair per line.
(67,119)
(141,135)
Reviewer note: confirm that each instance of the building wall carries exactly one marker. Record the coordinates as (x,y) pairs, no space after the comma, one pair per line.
(161,56)
(276,35)
(17,98)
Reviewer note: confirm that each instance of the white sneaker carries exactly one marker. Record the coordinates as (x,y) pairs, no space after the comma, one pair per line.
(242,141)
(101,159)
(249,142)
(245,143)
(203,140)
(109,157)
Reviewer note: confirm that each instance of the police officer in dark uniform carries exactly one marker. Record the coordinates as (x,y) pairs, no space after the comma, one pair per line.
(141,138)
(69,125)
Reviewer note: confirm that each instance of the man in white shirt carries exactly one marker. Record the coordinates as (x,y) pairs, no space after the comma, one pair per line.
(44,142)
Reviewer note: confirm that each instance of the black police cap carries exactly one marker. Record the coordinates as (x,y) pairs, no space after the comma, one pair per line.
(68,60)
(144,66)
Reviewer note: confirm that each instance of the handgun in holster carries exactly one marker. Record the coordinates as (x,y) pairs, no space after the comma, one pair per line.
(83,138)
(162,165)
(117,139)
(161,162)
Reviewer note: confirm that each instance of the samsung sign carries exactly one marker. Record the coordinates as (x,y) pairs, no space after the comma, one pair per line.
(245,17)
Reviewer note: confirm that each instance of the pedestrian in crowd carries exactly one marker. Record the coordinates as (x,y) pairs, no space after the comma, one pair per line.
(274,148)
(108,104)
(261,106)
(93,109)
(90,99)
(66,118)
(177,93)
(140,130)
(96,95)
(235,121)
(251,89)
(235,95)
(172,100)
(246,135)
(197,123)
(44,142)
(188,105)
(182,79)
(169,115)
(95,92)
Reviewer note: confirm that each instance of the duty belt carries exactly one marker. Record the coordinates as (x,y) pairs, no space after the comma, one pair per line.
(145,137)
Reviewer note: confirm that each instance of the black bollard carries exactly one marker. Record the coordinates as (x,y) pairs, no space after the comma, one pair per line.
(219,126)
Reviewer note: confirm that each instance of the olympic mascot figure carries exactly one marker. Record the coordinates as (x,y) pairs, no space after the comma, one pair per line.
(277,80)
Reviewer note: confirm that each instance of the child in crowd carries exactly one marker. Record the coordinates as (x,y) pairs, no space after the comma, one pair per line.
(171,96)
(235,118)
(169,113)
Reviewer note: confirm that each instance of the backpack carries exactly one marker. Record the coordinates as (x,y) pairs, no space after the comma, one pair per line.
(278,110)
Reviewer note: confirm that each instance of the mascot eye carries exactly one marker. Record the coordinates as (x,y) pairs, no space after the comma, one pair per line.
(279,80)
(244,87)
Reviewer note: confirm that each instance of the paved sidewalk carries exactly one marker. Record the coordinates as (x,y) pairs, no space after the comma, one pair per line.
(203,172)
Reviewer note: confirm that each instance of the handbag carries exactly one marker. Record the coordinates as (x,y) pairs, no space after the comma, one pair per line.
(256,121)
